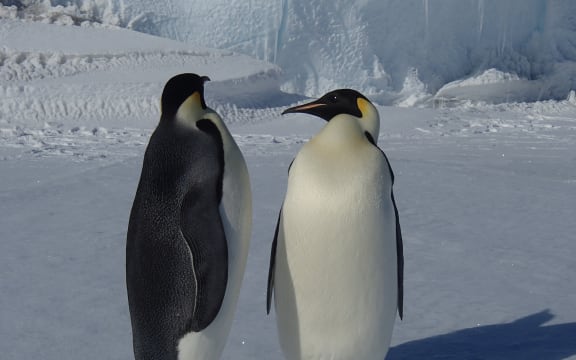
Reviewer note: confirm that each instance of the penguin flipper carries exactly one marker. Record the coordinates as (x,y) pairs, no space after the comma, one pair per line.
(399,244)
(272,266)
(209,253)
(203,231)
(400,260)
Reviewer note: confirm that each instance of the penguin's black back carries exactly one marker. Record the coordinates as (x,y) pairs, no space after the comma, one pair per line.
(175,219)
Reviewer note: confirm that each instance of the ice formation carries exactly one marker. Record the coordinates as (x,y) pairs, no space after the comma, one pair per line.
(375,46)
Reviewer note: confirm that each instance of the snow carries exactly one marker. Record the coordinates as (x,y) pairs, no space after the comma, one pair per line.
(371,45)
(486,188)
(68,66)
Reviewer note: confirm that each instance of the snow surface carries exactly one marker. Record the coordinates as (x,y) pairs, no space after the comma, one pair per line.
(109,76)
(486,194)
(400,51)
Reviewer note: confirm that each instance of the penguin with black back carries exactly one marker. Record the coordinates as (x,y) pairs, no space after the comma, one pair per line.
(189,230)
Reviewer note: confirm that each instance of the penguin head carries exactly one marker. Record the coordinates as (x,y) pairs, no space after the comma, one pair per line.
(183,98)
(343,102)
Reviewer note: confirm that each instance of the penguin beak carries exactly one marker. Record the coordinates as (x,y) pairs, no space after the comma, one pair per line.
(204,79)
(309,108)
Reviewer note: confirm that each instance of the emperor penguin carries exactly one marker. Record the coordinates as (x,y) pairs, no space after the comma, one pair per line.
(189,231)
(336,266)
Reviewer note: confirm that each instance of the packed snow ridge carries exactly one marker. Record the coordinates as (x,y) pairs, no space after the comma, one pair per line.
(399,52)
(113,77)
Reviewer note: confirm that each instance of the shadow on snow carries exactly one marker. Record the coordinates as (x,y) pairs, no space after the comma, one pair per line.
(523,339)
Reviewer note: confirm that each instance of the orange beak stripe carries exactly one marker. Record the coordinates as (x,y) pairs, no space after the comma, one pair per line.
(308,106)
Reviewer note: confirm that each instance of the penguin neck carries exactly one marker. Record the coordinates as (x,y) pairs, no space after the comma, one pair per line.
(227,139)
(341,130)
(190,111)
(370,120)
(188,114)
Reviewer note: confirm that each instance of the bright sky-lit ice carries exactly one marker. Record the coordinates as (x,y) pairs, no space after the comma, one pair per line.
(397,51)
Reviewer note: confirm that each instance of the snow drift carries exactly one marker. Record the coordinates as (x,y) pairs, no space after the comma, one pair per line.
(112,77)
(399,51)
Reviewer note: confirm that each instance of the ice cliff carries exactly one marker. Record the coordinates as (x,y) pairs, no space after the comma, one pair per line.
(399,51)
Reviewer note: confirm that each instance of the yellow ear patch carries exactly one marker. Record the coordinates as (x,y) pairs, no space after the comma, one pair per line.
(195,99)
(363,105)
(191,109)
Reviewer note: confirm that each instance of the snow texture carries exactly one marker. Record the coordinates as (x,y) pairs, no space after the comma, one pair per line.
(377,46)
(486,192)
(111,76)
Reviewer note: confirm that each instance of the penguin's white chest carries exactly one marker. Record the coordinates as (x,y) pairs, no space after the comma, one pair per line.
(336,281)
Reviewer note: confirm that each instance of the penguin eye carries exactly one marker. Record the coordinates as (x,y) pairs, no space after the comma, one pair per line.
(334,98)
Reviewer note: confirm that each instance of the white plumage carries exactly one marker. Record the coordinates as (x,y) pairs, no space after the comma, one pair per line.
(335,275)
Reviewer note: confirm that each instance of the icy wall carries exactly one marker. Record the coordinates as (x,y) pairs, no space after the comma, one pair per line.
(397,49)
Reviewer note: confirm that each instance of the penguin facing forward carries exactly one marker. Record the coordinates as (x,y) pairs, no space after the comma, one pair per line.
(336,266)
(189,231)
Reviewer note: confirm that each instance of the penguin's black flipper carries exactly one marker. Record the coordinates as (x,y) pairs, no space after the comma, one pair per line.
(400,260)
(203,231)
(399,245)
(272,265)
(273,257)
(209,254)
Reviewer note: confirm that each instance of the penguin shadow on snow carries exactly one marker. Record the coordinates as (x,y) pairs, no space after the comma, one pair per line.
(523,339)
